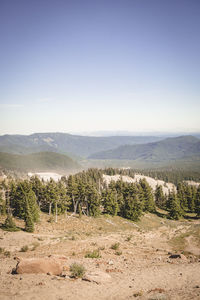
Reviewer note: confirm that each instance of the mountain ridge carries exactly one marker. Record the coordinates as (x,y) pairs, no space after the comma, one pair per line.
(66,143)
(167,149)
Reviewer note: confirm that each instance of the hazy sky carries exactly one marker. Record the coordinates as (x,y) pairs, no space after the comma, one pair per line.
(99,65)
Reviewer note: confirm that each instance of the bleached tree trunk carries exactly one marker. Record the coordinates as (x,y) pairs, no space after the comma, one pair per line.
(56,212)
(87,206)
(50,204)
(75,203)
(99,187)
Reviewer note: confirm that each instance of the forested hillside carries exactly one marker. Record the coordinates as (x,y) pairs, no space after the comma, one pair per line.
(38,162)
(87,193)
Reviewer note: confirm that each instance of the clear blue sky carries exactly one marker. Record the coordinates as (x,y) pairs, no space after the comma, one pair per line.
(99,65)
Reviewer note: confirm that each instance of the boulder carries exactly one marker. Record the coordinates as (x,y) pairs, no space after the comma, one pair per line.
(46,265)
(97,276)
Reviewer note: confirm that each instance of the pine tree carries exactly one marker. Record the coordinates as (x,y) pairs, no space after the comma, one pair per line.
(197,202)
(149,204)
(181,194)
(93,199)
(72,191)
(160,197)
(110,203)
(175,211)
(51,194)
(34,208)
(29,224)
(190,198)
(38,189)
(132,208)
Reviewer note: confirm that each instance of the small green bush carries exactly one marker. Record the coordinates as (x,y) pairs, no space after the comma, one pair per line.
(7,253)
(115,246)
(24,248)
(77,270)
(93,254)
(118,253)
(128,238)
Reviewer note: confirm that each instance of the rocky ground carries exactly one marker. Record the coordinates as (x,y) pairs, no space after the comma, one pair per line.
(142,264)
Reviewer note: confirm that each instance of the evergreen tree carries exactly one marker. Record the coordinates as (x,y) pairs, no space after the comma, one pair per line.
(190,198)
(197,202)
(63,200)
(132,208)
(175,211)
(160,197)
(72,191)
(33,206)
(110,203)
(38,189)
(181,195)
(149,204)
(93,199)
(51,194)
(29,224)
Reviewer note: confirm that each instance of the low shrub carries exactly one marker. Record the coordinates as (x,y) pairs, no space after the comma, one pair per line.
(115,246)
(24,248)
(77,270)
(93,254)
(128,238)
(7,253)
(118,253)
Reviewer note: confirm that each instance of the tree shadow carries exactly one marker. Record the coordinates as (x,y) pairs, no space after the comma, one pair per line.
(161,215)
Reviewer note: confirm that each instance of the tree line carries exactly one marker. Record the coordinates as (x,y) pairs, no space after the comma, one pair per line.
(86,193)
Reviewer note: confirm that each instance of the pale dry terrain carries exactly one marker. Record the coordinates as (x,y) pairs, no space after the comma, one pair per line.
(166,186)
(141,267)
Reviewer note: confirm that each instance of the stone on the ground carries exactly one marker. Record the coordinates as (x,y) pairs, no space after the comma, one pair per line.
(46,265)
(97,276)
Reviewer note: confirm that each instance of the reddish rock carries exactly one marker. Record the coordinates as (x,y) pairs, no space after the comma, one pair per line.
(48,265)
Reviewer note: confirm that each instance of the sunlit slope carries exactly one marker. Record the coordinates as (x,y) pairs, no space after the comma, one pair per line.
(166,150)
(42,161)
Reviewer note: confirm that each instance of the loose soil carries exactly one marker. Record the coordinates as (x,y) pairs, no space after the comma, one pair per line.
(139,269)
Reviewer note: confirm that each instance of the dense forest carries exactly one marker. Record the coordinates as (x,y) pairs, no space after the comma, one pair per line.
(85,193)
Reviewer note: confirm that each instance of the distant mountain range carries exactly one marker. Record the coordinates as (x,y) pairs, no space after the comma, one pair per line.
(38,162)
(59,152)
(165,150)
(73,145)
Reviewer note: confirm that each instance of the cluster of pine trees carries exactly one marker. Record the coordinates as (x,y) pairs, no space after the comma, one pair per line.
(185,200)
(86,193)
